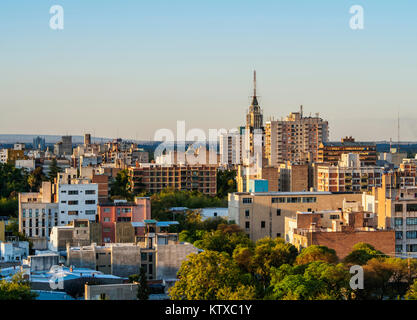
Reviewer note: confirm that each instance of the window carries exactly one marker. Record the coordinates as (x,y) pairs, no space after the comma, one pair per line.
(247,225)
(215,214)
(247,212)
(412,207)
(398,222)
(106,229)
(73,212)
(411,221)
(72,192)
(334,216)
(278,212)
(309,199)
(150,256)
(72,202)
(398,235)
(411,235)
(398,208)
(411,247)
(278,200)
(262,224)
(143,256)
(398,248)
(106,219)
(106,210)
(90,201)
(278,235)
(247,200)
(90,211)
(90,191)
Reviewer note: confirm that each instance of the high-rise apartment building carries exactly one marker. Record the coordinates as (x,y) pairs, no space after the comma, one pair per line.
(348,176)
(331,152)
(154,178)
(295,139)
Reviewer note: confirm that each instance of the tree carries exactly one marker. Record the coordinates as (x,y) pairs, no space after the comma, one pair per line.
(16,289)
(54,169)
(226,238)
(12,181)
(226,182)
(35,179)
(120,188)
(143,289)
(317,253)
(412,292)
(315,281)
(209,275)
(270,253)
(362,253)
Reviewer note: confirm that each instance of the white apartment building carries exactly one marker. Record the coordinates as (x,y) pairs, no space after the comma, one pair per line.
(37,213)
(3,155)
(77,201)
(230,148)
(295,139)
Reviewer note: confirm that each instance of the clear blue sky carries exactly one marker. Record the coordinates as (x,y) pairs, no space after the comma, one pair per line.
(127,68)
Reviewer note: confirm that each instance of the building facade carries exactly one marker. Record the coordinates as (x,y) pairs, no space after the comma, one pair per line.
(348,176)
(295,139)
(154,178)
(263,214)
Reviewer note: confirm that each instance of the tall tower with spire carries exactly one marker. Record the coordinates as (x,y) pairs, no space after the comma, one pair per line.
(254,118)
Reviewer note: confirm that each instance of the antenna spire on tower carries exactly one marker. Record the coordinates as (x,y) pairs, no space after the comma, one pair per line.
(254,83)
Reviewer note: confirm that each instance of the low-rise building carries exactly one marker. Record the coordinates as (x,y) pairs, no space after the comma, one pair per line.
(158,253)
(349,175)
(78,233)
(338,230)
(112,217)
(38,214)
(263,214)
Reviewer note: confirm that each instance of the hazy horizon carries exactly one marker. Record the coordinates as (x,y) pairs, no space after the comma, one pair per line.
(128,68)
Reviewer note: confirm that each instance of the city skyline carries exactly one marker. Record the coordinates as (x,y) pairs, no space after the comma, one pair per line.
(133,68)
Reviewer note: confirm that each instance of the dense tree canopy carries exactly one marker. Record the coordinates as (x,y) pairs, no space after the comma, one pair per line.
(16,289)
(211,275)
(226,182)
(317,253)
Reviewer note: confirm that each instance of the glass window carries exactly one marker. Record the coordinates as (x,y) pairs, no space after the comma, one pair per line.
(412,207)
(398,222)
(247,200)
(411,221)
(398,235)
(411,234)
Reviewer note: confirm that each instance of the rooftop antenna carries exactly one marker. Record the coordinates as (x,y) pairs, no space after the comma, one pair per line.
(398,128)
(254,83)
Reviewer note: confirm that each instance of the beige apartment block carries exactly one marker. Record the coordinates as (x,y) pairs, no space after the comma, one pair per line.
(348,176)
(263,214)
(295,139)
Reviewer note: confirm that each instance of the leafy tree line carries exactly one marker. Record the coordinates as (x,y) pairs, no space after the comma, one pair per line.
(16,289)
(272,269)
(14,180)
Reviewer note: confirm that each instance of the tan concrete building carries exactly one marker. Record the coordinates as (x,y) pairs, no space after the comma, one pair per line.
(295,139)
(159,253)
(331,152)
(338,230)
(263,214)
(348,176)
(397,209)
(78,233)
(154,178)
(38,214)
